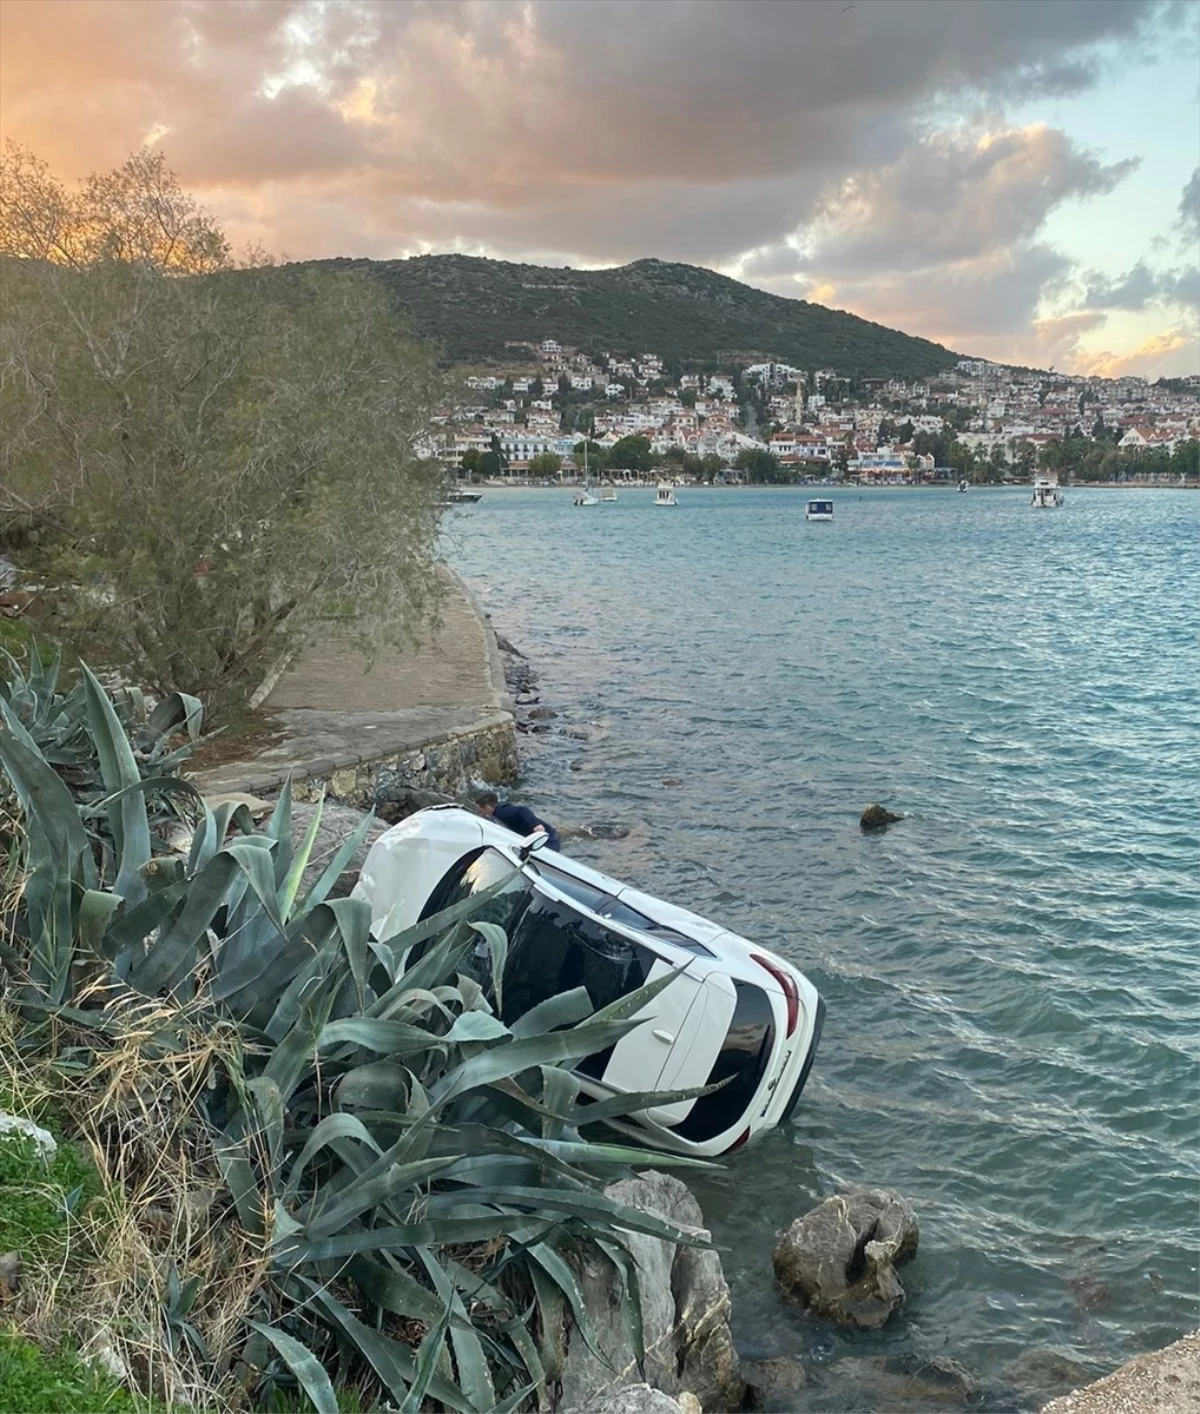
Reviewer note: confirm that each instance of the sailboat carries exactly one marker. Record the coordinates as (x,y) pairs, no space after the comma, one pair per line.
(584,496)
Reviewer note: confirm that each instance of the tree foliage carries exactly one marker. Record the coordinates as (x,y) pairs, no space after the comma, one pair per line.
(222,456)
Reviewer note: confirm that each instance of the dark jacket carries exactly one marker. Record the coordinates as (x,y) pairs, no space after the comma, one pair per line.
(522,821)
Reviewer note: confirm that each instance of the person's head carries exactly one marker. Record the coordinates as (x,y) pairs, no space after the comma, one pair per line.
(486,802)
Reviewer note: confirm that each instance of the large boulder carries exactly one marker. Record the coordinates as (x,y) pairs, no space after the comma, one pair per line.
(685,1311)
(839,1259)
(637,1399)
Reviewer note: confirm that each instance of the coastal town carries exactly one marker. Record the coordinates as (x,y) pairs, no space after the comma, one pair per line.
(644,418)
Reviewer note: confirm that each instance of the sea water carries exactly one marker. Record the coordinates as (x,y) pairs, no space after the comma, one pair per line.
(1012,1038)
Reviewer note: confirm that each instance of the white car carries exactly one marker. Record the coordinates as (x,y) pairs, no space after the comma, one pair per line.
(735,1010)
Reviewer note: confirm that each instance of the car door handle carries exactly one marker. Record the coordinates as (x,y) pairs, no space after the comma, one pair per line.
(665,1036)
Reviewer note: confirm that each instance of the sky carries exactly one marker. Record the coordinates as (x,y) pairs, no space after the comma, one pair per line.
(1017,179)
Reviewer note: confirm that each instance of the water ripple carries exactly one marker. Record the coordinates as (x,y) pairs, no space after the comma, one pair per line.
(1012,1034)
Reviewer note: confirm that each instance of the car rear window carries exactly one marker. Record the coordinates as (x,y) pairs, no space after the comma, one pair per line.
(743,1060)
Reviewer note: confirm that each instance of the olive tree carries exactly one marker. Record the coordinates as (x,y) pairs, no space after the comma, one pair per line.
(220,457)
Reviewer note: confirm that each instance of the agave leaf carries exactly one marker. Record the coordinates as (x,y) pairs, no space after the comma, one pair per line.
(57,852)
(428,1357)
(564,1278)
(332,1127)
(560,1090)
(127,818)
(552,1309)
(254,856)
(374,1086)
(363,1195)
(353,917)
(96,910)
(291,884)
(336,867)
(390,1360)
(473,1374)
(476,1026)
(516,1399)
(268,1105)
(579,1203)
(178,711)
(623,1260)
(565,1009)
(279,829)
(633,1100)
(404,1235)
(295,1055)
(497,941)
(205,896)
(238,1172)
(402,943)
(393,1289)
(304,1365)
(512,1058)
(393,1038)
(526,1347)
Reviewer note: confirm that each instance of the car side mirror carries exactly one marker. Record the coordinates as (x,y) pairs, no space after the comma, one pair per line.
(530,843)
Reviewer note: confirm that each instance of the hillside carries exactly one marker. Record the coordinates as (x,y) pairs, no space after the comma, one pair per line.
(472,307)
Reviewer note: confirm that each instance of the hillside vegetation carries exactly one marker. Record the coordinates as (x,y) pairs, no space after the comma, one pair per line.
(472,308)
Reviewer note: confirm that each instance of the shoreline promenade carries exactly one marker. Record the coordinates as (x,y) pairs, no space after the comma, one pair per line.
(332,713)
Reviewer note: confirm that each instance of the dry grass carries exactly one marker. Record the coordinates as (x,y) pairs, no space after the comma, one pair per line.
(130,1100)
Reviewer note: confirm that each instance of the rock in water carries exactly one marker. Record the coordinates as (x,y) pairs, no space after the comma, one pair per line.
(839,1260)
(875,817)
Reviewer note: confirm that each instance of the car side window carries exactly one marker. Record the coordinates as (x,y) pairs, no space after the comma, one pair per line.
(554,948)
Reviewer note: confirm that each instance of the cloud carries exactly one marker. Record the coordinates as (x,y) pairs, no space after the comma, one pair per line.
(1167,354)
(806,145)
(1142,287)
(1189,207)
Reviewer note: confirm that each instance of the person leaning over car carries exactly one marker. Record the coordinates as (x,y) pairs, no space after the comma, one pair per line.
(517,818)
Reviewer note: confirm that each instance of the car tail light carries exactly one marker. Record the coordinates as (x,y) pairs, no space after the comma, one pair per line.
(739,1141)
(790,991)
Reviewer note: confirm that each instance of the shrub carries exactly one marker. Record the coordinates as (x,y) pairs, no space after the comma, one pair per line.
(336,1162)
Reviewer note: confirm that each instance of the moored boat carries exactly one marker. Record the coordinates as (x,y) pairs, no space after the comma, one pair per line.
(818,510)
(665,494)
(1046,495)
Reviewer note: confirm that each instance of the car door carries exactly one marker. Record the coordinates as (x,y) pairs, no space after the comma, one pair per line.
(640,1060)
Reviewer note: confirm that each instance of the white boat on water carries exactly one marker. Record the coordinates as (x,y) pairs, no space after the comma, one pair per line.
(818,510)
(608,496)
(1046,495)
(665,494)
(585,496)
(962,485)
(461,496)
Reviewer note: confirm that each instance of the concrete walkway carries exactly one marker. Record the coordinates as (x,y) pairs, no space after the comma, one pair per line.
(334,712)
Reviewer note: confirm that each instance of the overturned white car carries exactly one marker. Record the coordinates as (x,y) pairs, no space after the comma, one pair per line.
(735,1012)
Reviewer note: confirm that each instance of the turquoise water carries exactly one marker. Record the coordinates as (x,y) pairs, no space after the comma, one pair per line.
(1011,972)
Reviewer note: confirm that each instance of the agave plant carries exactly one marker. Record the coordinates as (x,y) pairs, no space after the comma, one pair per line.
(405,1160)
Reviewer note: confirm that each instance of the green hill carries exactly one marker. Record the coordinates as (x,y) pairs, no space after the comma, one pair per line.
(472,307)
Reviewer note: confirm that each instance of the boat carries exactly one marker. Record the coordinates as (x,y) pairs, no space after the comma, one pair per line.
(460,496)
(584,495)
(1046,495)
(818,510)
(665,494)
(608,496)
(962,485)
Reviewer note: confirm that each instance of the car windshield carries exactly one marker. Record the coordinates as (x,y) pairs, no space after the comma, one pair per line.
(610,907)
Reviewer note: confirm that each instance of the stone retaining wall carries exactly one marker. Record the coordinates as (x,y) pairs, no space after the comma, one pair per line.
(448,765)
